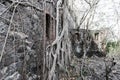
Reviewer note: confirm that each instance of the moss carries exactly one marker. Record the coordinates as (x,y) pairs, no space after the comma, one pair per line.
(112,46)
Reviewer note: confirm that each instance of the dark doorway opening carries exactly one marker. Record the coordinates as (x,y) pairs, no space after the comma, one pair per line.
(48,26)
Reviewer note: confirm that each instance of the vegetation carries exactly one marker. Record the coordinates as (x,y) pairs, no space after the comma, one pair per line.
(113,48)
(51,40)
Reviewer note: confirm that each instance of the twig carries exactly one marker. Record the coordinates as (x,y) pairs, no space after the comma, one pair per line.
(26,4)
(88,2)
(87,12)
(7,9)
(6,21)
(1,55)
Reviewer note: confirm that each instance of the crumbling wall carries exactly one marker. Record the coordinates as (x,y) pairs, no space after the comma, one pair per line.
(100,38)
(21,39)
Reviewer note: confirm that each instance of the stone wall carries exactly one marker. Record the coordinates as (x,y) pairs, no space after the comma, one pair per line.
(24,51)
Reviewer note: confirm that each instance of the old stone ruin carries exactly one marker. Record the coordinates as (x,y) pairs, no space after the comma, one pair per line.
(40,45)
(84,42)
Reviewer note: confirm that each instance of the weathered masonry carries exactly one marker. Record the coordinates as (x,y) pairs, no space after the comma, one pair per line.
(39,39)
(87,42)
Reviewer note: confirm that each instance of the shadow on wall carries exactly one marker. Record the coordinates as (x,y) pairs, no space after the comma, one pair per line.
(83,42)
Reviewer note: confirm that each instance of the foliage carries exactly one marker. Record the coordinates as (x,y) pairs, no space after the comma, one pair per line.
(113,47)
